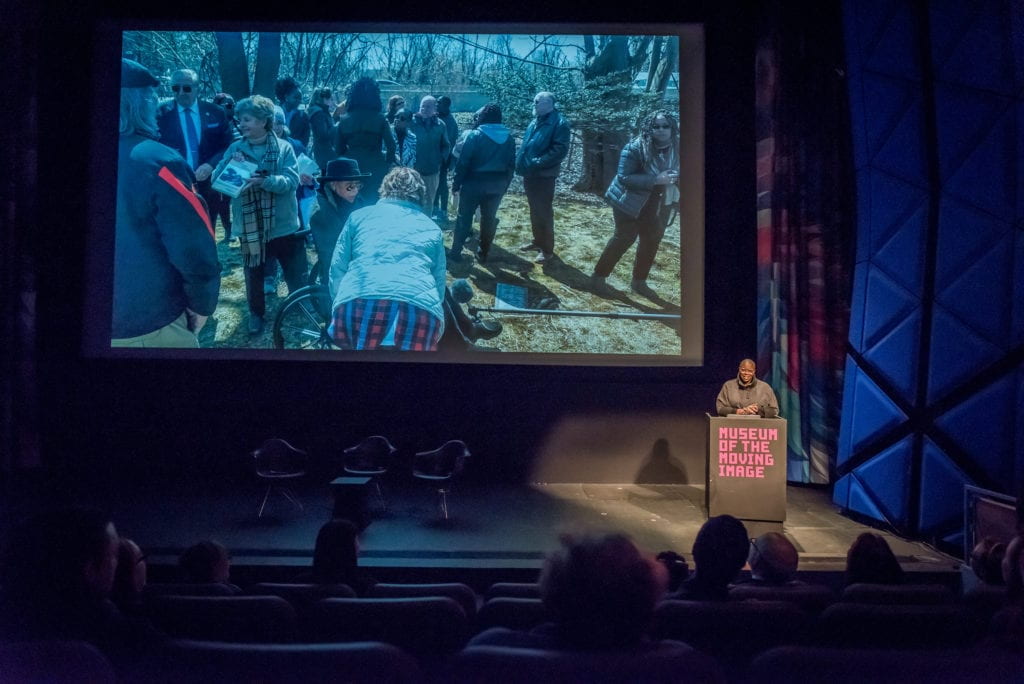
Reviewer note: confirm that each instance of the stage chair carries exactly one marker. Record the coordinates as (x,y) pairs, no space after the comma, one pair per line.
(54,662)
(211,661)
(733,632)
(430,628)
(439,467)
(808,664)
(513,590)
(458,592)
(669,663)
(812,598)
(277,461)
(901,594)
(238,619)
(511,612)
(865,625)
(370,458)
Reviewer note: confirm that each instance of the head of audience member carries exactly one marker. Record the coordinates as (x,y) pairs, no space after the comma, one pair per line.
(490,113)
(678,568)
(719,551)
(1013,569)
(403,117)
(279,127)
(870,560)
(336,554)
(403,183)
(543,103)
(68,555)
(288,93)
(600,591)
(139,101)
(130,577)
(773,559)
(364,96)
(255,117)
(185,86)
(323,97)
(207,561)
(428,107)
(987,560)
(444,106)
(396,103)
(225,102)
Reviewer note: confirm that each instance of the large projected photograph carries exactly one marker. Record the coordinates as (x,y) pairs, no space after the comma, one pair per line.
(352,194)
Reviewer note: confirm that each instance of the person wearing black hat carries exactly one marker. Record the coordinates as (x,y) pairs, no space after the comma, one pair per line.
(336,198)
(166,273)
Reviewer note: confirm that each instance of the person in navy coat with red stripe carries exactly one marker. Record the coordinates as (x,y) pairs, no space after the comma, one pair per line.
(166,273)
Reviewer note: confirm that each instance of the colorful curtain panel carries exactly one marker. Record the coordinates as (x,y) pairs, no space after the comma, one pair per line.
(804,226)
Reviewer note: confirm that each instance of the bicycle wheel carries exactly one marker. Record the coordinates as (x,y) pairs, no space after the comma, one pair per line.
(302,320)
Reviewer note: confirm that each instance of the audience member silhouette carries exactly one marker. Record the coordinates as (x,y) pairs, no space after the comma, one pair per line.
(773,560)
(58,572)
(1013,570)
(987,561)
(207,562)
(871,561)
(719,552)
(129,578)
(336,558)
(678,569)
(600,593)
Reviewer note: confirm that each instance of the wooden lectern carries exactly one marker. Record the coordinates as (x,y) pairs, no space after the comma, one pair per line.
(746,471)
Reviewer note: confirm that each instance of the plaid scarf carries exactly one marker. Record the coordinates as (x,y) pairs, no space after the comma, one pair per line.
(258,210)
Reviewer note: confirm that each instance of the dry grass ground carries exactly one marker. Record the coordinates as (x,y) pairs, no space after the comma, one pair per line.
(582,226)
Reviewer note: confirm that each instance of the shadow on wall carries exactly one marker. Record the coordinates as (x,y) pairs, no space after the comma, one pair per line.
(627,447)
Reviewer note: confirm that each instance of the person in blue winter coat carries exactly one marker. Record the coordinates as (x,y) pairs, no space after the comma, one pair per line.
(482,175)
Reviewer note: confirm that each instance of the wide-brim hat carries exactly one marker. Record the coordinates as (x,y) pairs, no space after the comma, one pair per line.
(342,169)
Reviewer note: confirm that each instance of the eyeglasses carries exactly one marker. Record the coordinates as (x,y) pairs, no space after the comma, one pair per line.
(176,88)
(352,187)
(661,127)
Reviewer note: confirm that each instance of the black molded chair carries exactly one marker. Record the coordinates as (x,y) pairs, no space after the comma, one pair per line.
(370,458)
(239,619)
(211,661)
(276,462)
(439,467)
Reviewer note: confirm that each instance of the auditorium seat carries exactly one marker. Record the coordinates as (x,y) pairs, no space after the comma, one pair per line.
(514,613)
(731,631)
(864,625)
(207,661)
(812,598)
(668,663)
(461,593)
(54,662)
(154,589)
(809,665)
(430,628)
(301,596)
(902,594)
(513,590)
(239,619)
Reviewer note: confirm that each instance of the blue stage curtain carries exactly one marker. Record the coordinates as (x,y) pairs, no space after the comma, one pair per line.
(804,225)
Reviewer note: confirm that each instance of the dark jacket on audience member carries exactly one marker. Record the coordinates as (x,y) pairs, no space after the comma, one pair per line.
(488,154)
(545,144)
(165,255)
(633,184)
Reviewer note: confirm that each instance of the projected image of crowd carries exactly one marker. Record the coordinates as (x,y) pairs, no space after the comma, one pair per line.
(79,604)
(377,216)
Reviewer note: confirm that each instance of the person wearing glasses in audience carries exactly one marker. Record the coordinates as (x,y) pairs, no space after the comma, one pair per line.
(643,196)
(336,198)
(199,131)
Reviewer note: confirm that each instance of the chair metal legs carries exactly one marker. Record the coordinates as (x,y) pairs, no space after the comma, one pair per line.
(288,494)
(443,501)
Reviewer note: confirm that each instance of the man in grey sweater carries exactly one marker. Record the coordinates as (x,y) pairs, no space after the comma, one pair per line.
(745,395)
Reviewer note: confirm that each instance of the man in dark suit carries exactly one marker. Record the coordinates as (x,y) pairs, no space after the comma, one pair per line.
(198,130)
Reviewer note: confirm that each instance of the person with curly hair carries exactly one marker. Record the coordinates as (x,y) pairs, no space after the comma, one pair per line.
(289,95)
(363,132)
(387,277)
(642,195)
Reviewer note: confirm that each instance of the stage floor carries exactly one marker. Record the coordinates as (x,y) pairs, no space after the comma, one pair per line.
(491,525)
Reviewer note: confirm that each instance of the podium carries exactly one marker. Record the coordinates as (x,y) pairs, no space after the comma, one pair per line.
(746,470)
